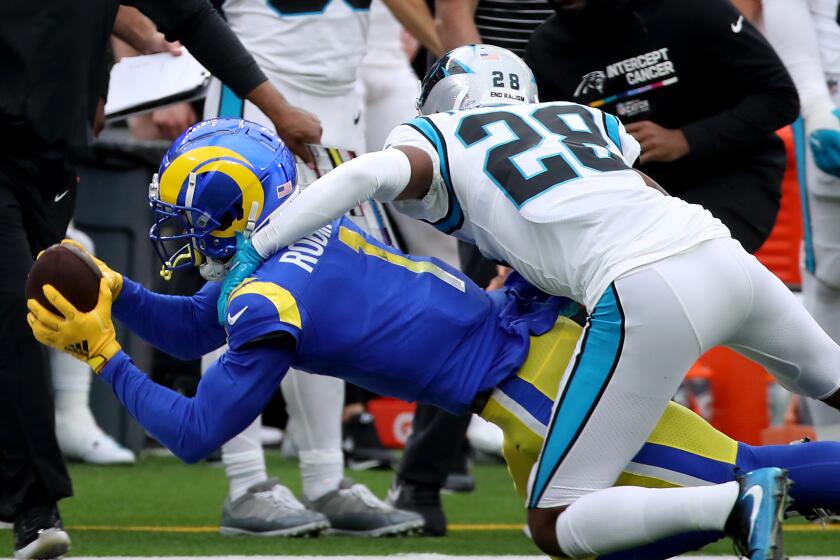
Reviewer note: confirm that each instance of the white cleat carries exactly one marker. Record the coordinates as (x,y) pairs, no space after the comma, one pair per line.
(105,451)
(96,449)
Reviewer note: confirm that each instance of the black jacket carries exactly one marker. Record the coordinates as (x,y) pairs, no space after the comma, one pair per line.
(697,65)
(53,68)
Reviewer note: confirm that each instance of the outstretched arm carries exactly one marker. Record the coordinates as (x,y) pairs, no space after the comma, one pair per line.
(398,173)
(232,392)
(184,327)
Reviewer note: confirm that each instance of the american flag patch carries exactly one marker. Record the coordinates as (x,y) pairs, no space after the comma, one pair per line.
(284,189)
(490,56)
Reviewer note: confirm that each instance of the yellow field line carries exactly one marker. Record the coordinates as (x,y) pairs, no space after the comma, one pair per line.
(454,527)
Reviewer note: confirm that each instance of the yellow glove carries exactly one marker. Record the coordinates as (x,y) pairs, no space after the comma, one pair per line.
(89,337)
(114,279)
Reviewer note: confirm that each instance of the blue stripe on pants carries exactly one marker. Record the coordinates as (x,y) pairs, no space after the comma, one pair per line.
(800,148)
(528,397)
(685,462)
(593,369)
(229,104)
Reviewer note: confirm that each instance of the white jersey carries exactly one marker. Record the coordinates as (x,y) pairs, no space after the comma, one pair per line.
(384,46)
(549,190)
(313,45)
(824,13)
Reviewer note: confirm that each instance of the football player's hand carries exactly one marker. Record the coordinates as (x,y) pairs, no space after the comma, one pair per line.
(825,143)
(244,263)
(112,278)
(658,143)
(171,121)
(295,126)
(89,337)
(498,281)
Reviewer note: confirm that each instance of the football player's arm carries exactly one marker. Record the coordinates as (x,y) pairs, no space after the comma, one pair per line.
(743,60)
(231,393)
(415,17)
(397,173)
(456,23)
(792,31)
(212,42)
(184,327)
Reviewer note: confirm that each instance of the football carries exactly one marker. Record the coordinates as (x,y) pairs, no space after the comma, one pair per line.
(70,271)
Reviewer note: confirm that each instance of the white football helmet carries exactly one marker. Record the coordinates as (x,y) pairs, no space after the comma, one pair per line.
(476,76)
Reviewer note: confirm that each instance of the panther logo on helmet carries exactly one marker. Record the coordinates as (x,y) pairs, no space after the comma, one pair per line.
(219,178)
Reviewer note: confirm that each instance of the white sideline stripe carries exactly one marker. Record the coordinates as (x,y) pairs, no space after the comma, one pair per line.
(412,556)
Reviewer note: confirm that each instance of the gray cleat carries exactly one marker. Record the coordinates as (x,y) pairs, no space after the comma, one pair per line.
(269,509)
(352,509)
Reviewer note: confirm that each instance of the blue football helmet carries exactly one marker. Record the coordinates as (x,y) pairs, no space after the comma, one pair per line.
(219,178)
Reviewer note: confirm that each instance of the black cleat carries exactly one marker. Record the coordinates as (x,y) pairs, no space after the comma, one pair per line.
(422,499)
(40,534)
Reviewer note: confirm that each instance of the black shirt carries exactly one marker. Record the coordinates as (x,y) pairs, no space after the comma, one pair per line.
(697,65)
(53,66)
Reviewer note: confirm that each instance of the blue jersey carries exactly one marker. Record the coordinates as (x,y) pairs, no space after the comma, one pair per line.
(408,327)
(400,326)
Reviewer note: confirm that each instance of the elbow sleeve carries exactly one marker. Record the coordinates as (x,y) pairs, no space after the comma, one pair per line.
(392,170)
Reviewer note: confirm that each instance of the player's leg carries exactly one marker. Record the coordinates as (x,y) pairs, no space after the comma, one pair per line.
(780,334)
(257,504)
(33,477)
(315,402)
(643,335)
(521,406)
(821,271)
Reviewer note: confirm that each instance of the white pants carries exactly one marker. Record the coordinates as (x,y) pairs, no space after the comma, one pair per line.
(821,260)
(341,116)
(644,334)
(314,402)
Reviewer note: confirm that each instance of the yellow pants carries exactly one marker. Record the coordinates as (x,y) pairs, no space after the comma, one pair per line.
(683,449)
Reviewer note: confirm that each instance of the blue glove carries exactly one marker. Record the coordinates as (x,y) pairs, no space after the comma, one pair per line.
(825,145)
(244,263)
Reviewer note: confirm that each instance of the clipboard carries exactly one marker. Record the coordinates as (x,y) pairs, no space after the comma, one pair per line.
(146,82)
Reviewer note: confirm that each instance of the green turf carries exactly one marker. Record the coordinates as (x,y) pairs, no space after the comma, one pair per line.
(160,491)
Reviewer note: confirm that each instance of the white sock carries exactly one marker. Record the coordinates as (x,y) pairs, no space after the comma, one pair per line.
(321,471)
(75,425)
(625,517)
(244,460)
(314,403)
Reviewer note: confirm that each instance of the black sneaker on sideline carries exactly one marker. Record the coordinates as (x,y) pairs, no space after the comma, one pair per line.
(423,499)
(363,449)
(40,534)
